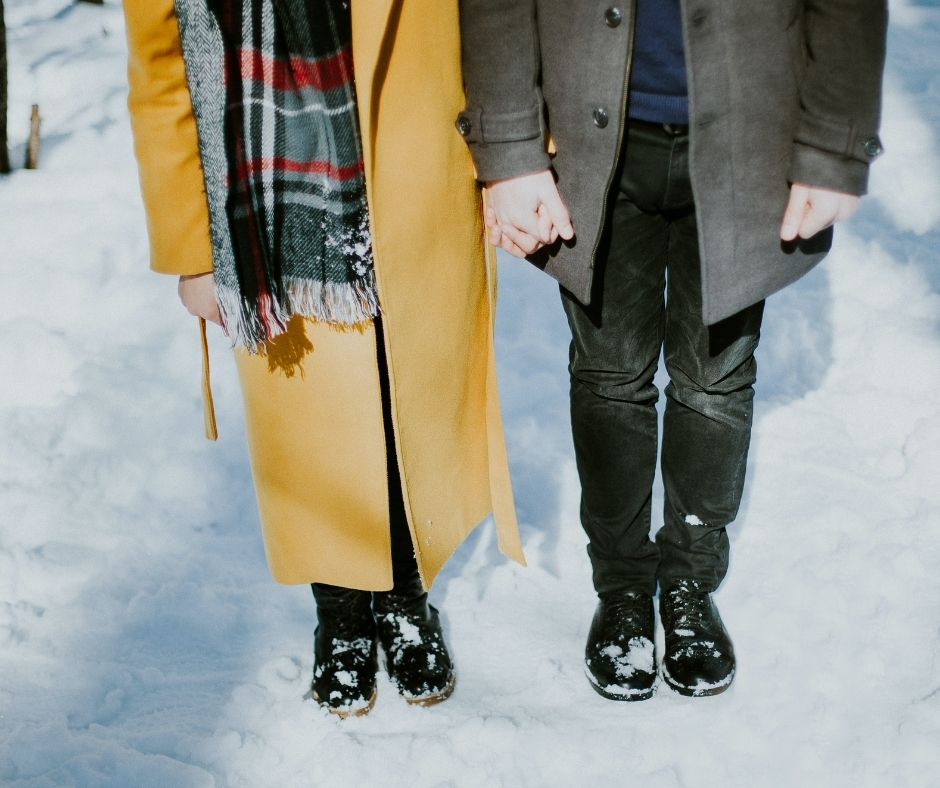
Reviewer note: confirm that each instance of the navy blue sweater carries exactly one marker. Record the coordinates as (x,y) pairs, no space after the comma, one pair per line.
(658,85)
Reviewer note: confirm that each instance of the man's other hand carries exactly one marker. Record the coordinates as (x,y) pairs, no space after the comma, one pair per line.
(198,296)
(812,209)
(526,213)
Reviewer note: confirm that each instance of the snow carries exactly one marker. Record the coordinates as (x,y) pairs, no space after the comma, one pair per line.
(143,643)
(640,656)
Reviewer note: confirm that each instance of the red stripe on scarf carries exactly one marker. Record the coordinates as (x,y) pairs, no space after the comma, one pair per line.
(327,73)
(315,167)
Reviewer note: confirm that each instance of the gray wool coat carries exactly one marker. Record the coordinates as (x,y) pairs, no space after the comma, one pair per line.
(780,91)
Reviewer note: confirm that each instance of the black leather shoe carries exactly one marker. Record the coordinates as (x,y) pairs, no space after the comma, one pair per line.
(344,650)
(620,657)
(699,658)
(416,656)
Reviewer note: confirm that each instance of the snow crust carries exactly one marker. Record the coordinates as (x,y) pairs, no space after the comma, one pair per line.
(142,642)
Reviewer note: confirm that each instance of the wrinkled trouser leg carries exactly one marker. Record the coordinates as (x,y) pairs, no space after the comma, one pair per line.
(614,353)
(616,343)
(706,426)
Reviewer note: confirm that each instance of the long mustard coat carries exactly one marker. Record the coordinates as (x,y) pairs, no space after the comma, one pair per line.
(312,401)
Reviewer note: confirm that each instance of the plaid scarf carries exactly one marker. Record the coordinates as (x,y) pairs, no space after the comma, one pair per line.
(296,201)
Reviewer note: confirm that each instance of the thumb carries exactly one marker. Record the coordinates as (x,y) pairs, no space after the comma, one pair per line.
(547,232)
(796,210)
(560,217)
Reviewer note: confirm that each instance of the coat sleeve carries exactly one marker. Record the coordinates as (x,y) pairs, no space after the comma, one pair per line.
(837,136)
(502,122)
(165,141)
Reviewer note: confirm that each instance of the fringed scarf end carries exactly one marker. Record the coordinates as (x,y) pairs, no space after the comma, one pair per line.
(250,325)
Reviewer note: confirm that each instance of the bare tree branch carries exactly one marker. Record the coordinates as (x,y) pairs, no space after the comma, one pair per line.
(4,144)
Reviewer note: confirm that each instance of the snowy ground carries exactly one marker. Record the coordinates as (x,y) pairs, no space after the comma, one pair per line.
(143,644)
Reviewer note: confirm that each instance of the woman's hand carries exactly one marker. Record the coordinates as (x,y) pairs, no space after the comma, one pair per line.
(198,296)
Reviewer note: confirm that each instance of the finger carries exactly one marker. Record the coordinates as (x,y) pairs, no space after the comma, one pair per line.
(496,236)
(561,219)
(524,220)
(545,225)
(523,240)
(215,317)
(490,217)
(817,218)
(796,210)
(510,247)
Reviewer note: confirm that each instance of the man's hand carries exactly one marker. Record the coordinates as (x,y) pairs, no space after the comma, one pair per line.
(198,296)
(812,209)
(526,213)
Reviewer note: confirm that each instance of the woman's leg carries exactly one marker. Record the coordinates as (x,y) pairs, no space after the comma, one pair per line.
(409,629)
(345,657)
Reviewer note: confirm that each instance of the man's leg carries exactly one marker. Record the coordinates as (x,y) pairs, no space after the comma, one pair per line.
(707,423)
(614,355)
(706,434)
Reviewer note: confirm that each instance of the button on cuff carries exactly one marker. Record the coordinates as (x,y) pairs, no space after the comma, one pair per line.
(468,126)
(872,147)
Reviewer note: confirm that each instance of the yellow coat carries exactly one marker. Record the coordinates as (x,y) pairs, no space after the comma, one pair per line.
(312,402)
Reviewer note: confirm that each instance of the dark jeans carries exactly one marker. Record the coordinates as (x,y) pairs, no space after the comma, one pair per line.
(651,250)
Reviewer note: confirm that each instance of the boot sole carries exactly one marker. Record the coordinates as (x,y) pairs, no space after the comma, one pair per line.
(697,692)
(344,713)
(437,697)
(631,695)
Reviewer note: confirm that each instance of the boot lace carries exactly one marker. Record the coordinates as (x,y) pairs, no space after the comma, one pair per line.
(689,608)
(630,609)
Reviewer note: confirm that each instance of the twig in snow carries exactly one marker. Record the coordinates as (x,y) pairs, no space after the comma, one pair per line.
(32,147)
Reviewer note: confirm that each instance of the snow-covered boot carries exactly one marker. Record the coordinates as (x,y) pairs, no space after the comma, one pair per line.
(620,657)
(344,650)
(699,658)
(416,656)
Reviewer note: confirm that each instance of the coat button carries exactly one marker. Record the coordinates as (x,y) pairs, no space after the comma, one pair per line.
(464,126)
(613,16)
(601,118)
(872,147)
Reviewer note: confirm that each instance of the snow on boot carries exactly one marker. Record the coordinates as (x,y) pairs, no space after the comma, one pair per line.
(699,658)
(416,656)
(620,658)
(344,649)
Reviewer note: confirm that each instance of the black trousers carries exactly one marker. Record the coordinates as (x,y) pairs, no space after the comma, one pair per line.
(404,563)
(648,301)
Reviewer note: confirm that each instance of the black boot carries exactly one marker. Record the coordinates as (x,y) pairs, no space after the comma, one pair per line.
(699,658)
(620,657)
(416,656)
(344,650)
